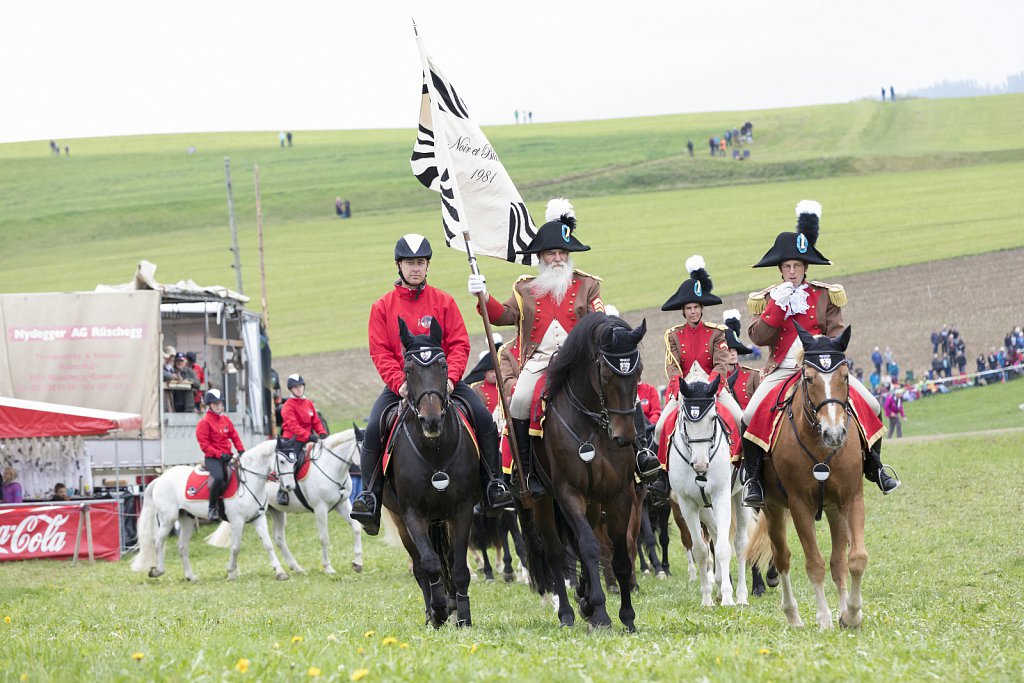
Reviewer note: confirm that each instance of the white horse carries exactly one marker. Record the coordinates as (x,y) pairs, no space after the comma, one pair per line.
(705,488)
(326,487)
(165,502)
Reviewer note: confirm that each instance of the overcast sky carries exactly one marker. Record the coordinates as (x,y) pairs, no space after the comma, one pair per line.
(118,67)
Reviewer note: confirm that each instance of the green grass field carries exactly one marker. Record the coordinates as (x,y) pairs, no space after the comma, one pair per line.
(941,602)
(995,406)
(910,183)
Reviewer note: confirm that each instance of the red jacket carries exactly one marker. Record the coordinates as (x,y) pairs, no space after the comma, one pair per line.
(649,401)
(299,418)
(417,309)
(215,434)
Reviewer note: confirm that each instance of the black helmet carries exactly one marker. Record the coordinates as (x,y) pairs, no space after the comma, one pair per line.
(413,246)
(295,380)
(191,356)
(212,396)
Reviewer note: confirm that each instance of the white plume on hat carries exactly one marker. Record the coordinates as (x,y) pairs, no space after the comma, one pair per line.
(558,207)
(497,338)
(730,314)
(808,206)
(484,354)
(695,262)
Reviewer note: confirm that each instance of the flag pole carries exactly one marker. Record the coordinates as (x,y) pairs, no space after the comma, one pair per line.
(524,492)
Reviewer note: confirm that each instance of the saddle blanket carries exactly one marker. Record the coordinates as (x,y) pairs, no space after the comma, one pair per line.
(669,428)
(766,425)
(196,487)
(393,429)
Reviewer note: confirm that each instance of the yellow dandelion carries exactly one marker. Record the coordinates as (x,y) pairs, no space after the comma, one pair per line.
(358,673)
(472,648)
(369,634)
(764,651)
(23,677)
(404,646)
(138,655)
(7,620)
(718,660)
(296,639)
(359,650)
(270,621)
(313,672)
(242,665)
(389,641)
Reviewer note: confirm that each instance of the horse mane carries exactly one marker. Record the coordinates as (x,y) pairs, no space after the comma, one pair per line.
(580,348)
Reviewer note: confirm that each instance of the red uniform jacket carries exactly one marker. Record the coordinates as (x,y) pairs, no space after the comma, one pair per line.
(417,308)
(299,418)
(649,402)
(774,329)
(704,344)
(746,384)
(488,393)
(215,434)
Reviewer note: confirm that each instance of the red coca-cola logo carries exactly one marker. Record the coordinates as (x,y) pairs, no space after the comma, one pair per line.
(40,533)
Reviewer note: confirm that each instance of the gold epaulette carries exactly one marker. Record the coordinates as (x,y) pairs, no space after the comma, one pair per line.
(592,277)
(715,326)
(474,385)
(836,293)
(756,302)
(524,277)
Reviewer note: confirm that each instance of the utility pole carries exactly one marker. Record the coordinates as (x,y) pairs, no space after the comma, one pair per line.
(259,236)
(234,228)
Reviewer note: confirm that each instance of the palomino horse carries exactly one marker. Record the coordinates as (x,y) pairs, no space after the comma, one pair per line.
(816,465)
(587,459)
(433,479)
(705,485)
(166,501)
(325,488)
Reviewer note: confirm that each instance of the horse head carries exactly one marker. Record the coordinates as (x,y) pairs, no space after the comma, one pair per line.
(617,376)
(265,457)
(426,377)
(825,378)
(700,417)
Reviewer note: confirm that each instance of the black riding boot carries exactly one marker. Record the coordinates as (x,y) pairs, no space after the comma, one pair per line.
(874,470)
(366,506)
(496,493)
(533,482)
(215,493)
(753,457)
(647,464)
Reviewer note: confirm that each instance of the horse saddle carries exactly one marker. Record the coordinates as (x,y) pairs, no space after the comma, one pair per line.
(196,487)
(390,425)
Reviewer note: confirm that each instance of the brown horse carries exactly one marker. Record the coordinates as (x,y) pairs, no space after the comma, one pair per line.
(587,458)
(815,465)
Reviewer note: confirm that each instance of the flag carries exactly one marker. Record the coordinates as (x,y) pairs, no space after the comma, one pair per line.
(453,157)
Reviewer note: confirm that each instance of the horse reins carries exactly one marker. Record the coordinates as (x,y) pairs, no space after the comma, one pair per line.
(715,440)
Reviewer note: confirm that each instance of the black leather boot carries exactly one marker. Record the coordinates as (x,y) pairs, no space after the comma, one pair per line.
(874,470)
(533,482)
(647,464)
(366,506)
(753,458)
(496,494)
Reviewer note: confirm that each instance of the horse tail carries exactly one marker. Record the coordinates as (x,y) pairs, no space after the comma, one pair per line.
(146,531)
(541,573)
(440,539)
(759,544)
(221,536)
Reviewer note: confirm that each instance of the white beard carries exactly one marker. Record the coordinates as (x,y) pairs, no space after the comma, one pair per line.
(553,280)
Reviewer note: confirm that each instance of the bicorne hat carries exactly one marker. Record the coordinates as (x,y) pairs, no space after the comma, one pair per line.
(731,318)
(695,290)
(557,231)
(799,245)
(485,363)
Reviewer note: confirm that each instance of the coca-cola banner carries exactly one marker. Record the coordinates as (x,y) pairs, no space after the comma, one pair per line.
(49,530)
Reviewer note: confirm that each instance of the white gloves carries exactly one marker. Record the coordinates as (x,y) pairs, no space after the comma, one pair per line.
(782,293)
(477,284)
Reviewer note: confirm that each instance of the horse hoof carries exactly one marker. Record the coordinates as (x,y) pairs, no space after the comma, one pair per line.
(850,622)
(661,575)
(614,590)
(192,579)
(330,571)
(489,579)
(758,591)
(508,578)
(630,628)
(281,576)
(154,572)
(357,568)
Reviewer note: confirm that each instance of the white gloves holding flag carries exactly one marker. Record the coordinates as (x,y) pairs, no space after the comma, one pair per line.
(792,300)
(477,284)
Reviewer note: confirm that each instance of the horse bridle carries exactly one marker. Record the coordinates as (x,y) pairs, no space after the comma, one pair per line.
(713,440)
(602,419)
(812,410)
(425,356)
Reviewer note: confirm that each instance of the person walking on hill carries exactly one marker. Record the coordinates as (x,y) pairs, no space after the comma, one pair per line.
(689,147)
(894,411)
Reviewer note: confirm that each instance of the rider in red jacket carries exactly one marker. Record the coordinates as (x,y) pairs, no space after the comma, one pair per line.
(216,434)
(300,424)
(417,303)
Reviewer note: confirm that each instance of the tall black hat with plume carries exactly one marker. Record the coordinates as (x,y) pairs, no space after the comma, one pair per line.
(557,231)
(695,290)
(799,245)
(731,318)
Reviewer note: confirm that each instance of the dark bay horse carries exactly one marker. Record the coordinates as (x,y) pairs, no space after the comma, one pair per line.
(816,466)
(587,459)
(433,480)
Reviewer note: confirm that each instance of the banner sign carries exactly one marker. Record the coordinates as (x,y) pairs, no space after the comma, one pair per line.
(49,530)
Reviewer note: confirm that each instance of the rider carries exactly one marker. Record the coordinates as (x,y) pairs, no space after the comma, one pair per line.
(545,308)
(743,381)
(300,424)
(816,307)
(696,341)
(487,388)
(216,434)
(417,303)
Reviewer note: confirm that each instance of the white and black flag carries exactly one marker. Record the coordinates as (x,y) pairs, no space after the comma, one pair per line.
(453,157)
